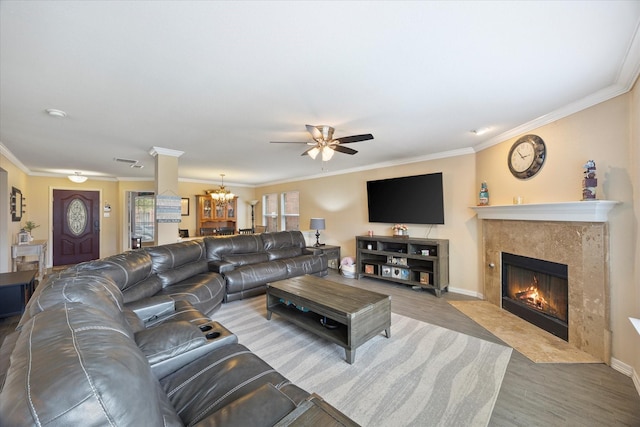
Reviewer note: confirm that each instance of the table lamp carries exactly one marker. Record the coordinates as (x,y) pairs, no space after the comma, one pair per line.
(317,224)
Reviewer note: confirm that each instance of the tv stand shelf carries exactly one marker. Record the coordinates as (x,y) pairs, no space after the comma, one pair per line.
(413,262)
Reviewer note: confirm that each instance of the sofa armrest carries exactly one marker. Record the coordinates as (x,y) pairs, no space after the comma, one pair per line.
(148,309)
(220,266)
(172,345)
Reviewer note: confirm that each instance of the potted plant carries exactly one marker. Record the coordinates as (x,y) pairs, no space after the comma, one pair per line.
(28,226)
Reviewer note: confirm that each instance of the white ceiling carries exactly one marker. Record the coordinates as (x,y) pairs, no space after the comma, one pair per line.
(219,80)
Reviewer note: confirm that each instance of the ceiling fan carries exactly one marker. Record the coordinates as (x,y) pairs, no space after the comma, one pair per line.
(324,143)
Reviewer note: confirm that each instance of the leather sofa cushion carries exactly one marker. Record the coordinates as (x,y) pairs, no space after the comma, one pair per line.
(265,406)
(143,289)
(244,259)
(306,264)
(283,239)
(88,373)
(220,378)
(173,255)
(250,276)
(289,252)
(178,274)
(217,247)
(124,269)
(88,288)
(205,291)
(168,340)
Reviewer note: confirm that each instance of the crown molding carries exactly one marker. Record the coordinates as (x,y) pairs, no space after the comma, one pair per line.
(154,151)
(13,159)
(626,78)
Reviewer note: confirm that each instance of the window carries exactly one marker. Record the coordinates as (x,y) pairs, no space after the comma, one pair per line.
(289,205)
(270,212)
(291,210)
(143,215)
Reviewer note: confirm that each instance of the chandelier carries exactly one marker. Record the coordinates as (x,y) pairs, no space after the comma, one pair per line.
(221,196)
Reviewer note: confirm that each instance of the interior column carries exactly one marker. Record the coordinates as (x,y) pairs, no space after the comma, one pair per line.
(166,178)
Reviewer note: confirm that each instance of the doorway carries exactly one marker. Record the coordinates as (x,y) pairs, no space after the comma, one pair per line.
(141,208)
(76,226)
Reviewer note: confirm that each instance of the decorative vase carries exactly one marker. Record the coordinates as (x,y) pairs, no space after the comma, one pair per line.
(400,233)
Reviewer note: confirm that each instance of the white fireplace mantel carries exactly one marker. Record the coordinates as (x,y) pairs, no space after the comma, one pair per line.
(584,211)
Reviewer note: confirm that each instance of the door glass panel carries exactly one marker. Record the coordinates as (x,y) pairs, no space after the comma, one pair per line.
(143,216)
(77,217)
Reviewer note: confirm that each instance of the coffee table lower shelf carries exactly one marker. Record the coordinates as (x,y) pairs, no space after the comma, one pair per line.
(357,315)
(310,321)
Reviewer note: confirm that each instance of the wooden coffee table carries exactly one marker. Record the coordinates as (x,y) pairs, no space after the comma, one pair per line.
(358,315)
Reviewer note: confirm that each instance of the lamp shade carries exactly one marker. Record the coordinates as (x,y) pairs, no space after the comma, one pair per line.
(317,224)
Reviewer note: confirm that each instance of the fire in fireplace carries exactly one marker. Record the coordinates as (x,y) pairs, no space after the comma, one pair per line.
(537,291)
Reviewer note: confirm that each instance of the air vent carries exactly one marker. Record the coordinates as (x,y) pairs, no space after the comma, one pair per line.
(131,162)
(137,166)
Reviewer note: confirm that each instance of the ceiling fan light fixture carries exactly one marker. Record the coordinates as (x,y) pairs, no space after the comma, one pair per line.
(327,153)
(77,178)
(313,153)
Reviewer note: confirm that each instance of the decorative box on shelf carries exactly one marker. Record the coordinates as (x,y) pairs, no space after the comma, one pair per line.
(400,273)
(424,278)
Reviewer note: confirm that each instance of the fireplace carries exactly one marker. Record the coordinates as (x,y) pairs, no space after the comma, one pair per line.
(537,291)
(571,233)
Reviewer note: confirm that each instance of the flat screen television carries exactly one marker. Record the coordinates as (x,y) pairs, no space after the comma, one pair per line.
(411,199)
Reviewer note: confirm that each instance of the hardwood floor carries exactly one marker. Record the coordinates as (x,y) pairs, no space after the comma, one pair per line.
(532,394)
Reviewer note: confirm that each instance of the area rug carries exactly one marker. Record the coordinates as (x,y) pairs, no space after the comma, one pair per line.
(422,375)
(536,344)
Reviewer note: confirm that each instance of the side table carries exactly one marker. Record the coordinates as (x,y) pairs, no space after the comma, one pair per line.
(15,290)
(332,253)
(36,248)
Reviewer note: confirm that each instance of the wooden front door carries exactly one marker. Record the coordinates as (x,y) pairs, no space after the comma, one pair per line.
(76,226)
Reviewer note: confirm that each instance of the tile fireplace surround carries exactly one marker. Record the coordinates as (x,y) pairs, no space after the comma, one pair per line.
(572,233)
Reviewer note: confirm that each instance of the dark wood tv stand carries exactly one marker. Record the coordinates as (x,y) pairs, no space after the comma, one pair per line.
(413,262)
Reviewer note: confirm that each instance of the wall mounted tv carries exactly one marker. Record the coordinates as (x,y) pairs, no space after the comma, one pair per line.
(411,199)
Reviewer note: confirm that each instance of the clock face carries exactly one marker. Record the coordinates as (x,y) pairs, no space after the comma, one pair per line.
(526,156)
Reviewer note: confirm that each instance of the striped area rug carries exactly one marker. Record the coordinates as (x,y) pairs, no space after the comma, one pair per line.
(424,375)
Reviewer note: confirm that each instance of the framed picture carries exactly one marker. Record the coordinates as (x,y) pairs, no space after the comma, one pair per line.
(386,271)
(23,238)
(369,269)
(184,207)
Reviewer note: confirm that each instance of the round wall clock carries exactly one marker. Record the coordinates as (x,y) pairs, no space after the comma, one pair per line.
(527,156)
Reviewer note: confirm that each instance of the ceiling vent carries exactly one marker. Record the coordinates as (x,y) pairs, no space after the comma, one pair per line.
(129,161)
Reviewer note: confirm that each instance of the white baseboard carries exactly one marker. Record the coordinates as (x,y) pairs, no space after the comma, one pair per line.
(621,367)
(636,380)
(466,292)
(627,370)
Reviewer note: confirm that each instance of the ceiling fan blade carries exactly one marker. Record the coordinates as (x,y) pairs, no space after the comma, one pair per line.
(315,132)
(354,138)
(342,149)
